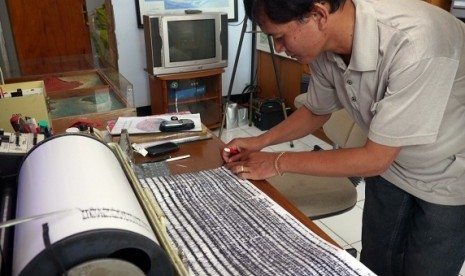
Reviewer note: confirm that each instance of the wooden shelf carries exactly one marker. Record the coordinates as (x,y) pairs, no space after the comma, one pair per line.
(290,75)
(196,92)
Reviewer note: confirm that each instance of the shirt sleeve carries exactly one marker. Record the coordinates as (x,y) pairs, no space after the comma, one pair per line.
(321,94)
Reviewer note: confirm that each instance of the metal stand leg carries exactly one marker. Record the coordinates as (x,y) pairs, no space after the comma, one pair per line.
(278,82)
(233,76)
(250,109)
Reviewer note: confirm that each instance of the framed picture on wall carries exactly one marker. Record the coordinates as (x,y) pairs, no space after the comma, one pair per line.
(160,6)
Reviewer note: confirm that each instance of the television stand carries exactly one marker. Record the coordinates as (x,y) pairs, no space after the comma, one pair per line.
(194,92)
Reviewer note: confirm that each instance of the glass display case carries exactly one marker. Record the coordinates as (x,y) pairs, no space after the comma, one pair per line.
(95,96)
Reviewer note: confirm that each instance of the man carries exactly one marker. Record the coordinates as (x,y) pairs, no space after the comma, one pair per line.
(398,67)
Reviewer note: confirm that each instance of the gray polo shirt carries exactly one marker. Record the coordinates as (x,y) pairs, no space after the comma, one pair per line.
(405,87)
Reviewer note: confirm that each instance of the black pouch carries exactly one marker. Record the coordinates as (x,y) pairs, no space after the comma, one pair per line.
(176,125)
(161,149)
(267,113)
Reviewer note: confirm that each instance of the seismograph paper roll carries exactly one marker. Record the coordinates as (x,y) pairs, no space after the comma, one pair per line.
(101,219)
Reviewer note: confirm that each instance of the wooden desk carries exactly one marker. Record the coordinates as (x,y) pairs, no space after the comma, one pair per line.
(206,155)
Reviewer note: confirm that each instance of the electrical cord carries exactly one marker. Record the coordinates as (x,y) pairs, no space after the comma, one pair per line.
(1,76)
(250,90)
(247,92)
(238,24)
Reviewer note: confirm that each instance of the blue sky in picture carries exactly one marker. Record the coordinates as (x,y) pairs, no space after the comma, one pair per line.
(189,4)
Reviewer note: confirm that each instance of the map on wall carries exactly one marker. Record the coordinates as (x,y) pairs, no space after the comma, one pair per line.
(160,6)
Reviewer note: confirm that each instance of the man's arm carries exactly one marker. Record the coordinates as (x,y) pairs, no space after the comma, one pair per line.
(369,160)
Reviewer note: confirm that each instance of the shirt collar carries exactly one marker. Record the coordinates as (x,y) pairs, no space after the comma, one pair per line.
(366,38)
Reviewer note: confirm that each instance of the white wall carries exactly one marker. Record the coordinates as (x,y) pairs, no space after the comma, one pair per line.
(131,52)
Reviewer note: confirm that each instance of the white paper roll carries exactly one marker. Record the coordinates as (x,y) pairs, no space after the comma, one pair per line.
(81,173)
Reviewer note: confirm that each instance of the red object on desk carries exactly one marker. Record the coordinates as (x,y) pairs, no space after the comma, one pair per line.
(84,122)
(19,124)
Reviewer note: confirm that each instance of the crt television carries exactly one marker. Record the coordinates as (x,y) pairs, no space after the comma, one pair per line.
(177,43)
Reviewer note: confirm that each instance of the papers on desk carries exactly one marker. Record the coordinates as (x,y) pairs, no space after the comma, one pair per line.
(151,124)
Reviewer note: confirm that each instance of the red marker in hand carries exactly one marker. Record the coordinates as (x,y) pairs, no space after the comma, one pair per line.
(231,151)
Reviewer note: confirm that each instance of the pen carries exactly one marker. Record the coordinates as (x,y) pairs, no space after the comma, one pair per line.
(178,158)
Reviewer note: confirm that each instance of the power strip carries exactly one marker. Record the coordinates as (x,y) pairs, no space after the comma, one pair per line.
(24,92)
(13,147)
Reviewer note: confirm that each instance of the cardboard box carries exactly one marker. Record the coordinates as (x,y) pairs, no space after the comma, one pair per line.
(32,104)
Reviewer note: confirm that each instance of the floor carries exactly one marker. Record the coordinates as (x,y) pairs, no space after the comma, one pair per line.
(346,228)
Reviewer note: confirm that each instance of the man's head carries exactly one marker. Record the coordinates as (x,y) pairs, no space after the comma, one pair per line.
(279,11)
(300,28)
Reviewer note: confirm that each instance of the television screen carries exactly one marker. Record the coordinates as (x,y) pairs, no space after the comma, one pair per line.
(179,42)
(191,40)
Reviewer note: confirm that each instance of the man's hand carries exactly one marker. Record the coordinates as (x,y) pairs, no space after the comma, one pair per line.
(257,165)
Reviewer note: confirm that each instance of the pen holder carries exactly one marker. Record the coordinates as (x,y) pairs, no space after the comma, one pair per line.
(231,116)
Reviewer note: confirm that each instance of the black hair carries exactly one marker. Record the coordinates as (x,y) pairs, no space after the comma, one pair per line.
(283,11)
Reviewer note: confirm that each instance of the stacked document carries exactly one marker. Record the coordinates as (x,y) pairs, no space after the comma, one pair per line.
(146,129)
(151,124)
